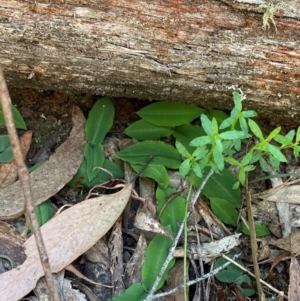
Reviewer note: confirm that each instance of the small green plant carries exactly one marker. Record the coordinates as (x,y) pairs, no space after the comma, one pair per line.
(270,10)
(95,168)
(233,274)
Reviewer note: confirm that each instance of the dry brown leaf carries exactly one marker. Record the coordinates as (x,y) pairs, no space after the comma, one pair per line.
(50,177)
(8,171)
(294,292)
(285,243)
(66,237)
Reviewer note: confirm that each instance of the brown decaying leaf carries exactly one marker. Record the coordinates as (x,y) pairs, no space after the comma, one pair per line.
(8,171)
(49,178)
(66,237)
(285,243)
(294,292)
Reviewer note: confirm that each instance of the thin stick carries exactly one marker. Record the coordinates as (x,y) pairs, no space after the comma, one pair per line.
(251,274)
(25,182)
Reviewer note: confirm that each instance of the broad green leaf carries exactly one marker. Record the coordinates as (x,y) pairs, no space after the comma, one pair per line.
(139,153)
(237,144)
(214,125)
(242,175)
(248,168)
(142,130)
(232,135)
(135,292)
(173,214)
(183,151)
(18,119)
(244,125)
(219,145)
(155,172)
(6,154)
(187,132)
(200,141)
(200,152)
(100,120)
(226,123)
(260,230)
(207,125)
(108,170)
(169,114)
(94,155)
(273,134)
(156,254)
(224,210)
(245,285)
(194,179)
(255,129)
(296,150)
(230,273)
(274,162)
(184,168)
(162,195)
(219,116)
(220,186)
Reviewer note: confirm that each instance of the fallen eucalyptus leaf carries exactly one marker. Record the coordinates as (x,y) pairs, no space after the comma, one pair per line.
(51,176)
(66,237)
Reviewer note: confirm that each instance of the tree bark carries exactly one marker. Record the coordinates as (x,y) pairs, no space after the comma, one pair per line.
(181,50)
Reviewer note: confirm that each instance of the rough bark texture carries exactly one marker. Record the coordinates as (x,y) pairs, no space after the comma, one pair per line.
(180,50)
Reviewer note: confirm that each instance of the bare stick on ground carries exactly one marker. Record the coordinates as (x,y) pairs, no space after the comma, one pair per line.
(25,182)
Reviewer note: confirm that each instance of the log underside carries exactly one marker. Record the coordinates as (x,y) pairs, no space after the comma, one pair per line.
(180,50)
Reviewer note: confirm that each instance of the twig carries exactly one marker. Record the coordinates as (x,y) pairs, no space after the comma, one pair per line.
(192,282)
(261,295)
(251,274)
(25,182)
(171,252)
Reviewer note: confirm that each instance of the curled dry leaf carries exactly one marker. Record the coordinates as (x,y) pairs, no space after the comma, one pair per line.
(66,237)
(8,171)
(50,177)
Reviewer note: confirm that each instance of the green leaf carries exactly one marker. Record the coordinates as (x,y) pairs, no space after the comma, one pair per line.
(233,135)
(187,132)
(263,164)
(230,273)
(274,162)
(139,153)
(184,168)
(260,229)
(255,129)
(244,125)
(296,150)
(232,161)
(244,284)
(18,119)
(183,151)
(214,125)
(81,179)
(220,116)
(224,210)
(291,134)
(283,140)
(142,130)
(273,134)
(94,155)
(207,125)
(275,151)
(200,152)
(249,114)
(218,159)
(174,212)
(226,123)
(242,176)
(169,114)
(155,172)
(200,141)
(197,169)
(237,101)
(298,135)
(100,120)
(247,158)
(6,154)
(135,292)
(156,254)
(220,186)
(44,212)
